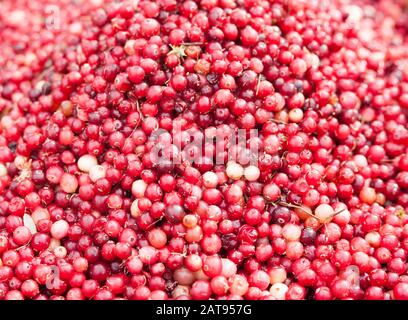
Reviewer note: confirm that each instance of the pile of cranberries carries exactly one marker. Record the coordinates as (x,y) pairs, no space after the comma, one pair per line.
(106,194)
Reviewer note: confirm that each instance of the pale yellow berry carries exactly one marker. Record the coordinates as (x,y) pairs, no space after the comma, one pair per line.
(130,47)
(86,162)
(139,188)
(278,290)
(373,238)
(59,229)
(60,252)
(210,179)
(277,275)
(252,173)
(29,223)
(291,232)
(296,115)
(238,285)
(3,170)
(134,209)
(97,172)
(324,212)
(234,171)
(20,162)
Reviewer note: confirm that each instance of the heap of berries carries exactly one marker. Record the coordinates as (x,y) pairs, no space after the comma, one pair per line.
(106,192)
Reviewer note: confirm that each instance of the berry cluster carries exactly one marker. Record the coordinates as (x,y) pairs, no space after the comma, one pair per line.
(106,194)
